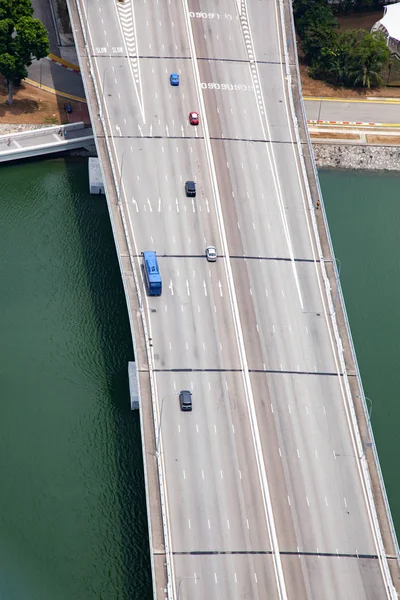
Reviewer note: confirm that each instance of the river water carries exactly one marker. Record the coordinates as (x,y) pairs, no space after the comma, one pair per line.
(72,506)
(364,218)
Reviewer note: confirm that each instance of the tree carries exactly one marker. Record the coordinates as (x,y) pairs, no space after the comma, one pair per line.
(302,7)
(316,26)
(368,58)
(317,16)
(353,58)
(334,62)
(22,39)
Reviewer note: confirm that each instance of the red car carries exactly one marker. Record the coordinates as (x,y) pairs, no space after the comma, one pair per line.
(194,118)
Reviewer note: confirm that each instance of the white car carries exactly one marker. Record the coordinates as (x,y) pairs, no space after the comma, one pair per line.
(211,254)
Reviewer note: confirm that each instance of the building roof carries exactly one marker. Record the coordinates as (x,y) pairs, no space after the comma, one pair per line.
(391,20)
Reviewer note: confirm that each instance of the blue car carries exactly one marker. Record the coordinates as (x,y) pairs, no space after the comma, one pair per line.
(174,79)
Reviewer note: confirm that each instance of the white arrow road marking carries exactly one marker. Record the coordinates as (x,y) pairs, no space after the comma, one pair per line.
(126,16)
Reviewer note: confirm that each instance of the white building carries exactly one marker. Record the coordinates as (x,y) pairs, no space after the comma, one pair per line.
(389,25)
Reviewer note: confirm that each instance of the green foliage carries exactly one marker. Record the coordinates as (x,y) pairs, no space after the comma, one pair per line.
(340,6)
(352,6)
(317,14)
(22,39)
(316,26)
(352,58)
(334,62)
(318,35)
(368,58)
(15,9)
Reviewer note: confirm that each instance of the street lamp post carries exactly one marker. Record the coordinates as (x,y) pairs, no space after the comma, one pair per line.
(337,284)
(10,86)
(319,112)
(159,426)
(367,442)
(120,178)
(370,409)
(180,581)
(103,87)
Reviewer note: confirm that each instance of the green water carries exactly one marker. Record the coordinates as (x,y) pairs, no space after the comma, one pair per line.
(364,218)
(72,506)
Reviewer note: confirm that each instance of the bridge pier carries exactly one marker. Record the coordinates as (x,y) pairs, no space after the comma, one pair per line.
(133,385)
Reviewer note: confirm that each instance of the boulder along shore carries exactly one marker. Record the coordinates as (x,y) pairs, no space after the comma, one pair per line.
(346,156)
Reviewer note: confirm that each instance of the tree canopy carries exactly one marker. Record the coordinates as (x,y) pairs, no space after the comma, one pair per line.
(22,40)
(351,58)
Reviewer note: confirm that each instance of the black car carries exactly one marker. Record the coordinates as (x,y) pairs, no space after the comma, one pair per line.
(185,400)
(190,189)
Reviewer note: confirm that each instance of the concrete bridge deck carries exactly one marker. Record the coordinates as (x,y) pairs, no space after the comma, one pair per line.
(48,140)
(272,486)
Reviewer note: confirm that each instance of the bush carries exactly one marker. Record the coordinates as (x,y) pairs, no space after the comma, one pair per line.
(351,58)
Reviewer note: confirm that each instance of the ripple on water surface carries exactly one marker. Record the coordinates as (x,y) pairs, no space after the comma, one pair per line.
(364,217)
(72,507)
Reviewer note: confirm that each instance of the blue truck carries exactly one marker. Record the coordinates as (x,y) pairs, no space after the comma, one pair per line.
(151,274)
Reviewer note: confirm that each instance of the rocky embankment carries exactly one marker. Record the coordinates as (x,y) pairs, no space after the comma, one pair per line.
(334,156)
(345,156)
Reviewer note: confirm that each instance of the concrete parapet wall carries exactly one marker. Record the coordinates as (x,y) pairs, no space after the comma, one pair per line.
(47,140)
(32,133)
(368,462)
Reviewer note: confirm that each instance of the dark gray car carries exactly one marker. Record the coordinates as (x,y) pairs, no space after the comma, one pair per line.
(185,400)
(190,189)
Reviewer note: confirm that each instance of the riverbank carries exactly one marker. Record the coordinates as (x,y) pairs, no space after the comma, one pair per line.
(346,156)
(336,156)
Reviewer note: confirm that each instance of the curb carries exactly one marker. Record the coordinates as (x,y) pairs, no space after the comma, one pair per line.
(316,122)
(351,100)
(353,123)
(53,91)
(63,63)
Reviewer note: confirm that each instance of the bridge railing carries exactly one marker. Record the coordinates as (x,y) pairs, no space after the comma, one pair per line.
(142,313)
(363,460)
(43,131)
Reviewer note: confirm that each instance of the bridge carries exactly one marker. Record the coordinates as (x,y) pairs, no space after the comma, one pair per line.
(45,140)
(271,487)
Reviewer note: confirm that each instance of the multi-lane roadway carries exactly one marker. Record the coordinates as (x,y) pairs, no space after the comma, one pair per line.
(265,495)
(378,110)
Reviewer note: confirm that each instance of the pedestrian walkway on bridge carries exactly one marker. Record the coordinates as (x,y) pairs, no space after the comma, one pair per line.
(48,140)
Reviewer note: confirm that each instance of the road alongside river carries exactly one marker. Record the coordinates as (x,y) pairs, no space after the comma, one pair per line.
(72,509)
